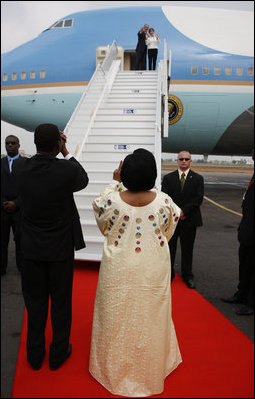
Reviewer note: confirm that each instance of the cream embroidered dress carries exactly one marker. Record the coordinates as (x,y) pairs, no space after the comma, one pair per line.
(134,345)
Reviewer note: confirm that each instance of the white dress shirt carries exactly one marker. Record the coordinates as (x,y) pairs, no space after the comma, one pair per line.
(185,172)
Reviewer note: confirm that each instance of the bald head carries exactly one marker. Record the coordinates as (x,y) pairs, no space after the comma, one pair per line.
(184,160)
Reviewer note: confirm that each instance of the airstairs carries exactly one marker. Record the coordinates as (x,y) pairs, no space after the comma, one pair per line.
(118,112)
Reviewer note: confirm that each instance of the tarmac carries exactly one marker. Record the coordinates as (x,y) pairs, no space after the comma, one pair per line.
(215,267)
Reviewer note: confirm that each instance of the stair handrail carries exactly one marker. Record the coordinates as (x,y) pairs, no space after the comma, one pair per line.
(100,75)
(161,111)
(165,92)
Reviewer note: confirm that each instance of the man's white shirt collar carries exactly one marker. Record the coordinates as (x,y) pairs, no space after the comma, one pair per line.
(185,172)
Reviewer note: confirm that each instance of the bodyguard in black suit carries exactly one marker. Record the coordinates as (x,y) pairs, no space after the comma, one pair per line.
(245,288)
(10,202)
(141,48)
(49,231)
(186,188)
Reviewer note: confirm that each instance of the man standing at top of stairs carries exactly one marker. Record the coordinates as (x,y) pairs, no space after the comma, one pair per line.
(141,48)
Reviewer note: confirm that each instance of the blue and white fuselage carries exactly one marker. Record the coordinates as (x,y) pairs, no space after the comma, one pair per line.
(213,78)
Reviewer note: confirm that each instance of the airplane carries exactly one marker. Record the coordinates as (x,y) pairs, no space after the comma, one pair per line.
(211,91)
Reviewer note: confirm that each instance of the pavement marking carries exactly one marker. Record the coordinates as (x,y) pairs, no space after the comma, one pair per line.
(221,206)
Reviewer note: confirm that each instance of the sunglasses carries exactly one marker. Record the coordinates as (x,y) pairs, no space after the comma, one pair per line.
(183,159)
(11,142)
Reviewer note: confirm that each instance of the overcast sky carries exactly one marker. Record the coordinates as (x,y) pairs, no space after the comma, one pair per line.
(24,20)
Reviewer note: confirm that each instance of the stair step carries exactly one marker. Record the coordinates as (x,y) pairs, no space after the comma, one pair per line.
(105,175)
(126,117)
(135,90)
(139,105)
(102,164)
(124,124)
(115,148)
(83,198)
(133,95)
(133,110)
(85,255)
(113,139)
(127,131)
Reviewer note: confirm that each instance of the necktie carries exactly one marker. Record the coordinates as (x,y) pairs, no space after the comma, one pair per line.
(182,180)
(10,164)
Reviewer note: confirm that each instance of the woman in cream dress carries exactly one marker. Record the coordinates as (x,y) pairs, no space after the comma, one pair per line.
(134,345)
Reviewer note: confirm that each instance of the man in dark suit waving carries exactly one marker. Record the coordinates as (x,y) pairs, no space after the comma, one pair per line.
(141,48)
(49,232)
(186,188)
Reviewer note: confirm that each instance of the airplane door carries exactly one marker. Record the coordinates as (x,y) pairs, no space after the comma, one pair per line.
(129,60)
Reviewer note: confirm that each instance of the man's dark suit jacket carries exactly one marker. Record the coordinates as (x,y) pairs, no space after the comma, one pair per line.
(49,219)
(246,226)
(141,45)
(9,188)
(190,199)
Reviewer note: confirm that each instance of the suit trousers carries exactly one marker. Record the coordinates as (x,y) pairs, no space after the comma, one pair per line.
(246,275)
(41,281)
(187,238)
(140,61)
(8,222)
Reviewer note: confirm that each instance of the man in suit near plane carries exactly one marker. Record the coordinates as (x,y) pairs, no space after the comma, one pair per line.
(141,48)
(10,202)
(48,232)
(245,289)
(186,188)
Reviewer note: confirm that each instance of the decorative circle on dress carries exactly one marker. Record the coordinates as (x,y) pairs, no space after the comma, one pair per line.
(126,218)
(137,250)
(138,220)
(151,218)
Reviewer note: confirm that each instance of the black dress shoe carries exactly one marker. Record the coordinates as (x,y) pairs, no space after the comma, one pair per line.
(232,299)
(245,311)
(54,365)
(36,364)
(190,283)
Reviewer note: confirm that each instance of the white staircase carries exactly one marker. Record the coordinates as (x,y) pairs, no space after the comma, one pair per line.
(125,117)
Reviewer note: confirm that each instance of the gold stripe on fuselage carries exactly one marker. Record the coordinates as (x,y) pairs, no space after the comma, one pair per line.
(173,82)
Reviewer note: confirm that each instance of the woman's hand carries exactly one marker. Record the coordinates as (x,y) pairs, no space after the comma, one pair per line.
(116,173)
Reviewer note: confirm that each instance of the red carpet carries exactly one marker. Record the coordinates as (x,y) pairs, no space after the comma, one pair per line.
(217,357)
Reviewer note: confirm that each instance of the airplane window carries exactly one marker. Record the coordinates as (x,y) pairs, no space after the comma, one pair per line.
(42,74)
(228,70)
(5,77)
(206,70)
(194,70)
(32,75)
(68,23)
(239,71)
(14,76)
(216,70)
(250,71)
(58,24)
(23,75)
